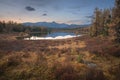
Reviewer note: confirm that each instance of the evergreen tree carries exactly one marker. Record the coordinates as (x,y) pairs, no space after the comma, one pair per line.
(95,25)
(101,22)
(106,22)
(117,20)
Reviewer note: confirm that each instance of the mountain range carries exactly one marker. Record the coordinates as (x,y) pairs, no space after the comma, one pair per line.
(54,25)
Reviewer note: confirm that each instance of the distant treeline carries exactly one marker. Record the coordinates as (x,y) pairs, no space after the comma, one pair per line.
(11,27)
(107,22)
(78,30)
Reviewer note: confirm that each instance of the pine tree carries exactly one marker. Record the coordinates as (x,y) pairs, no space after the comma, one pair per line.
(96,23)
(117,20)
(106,21)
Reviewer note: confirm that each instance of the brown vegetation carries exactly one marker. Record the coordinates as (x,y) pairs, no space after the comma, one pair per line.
(82,58)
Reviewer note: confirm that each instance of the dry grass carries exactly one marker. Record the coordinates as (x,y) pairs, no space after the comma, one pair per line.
(70,45)
(59,59)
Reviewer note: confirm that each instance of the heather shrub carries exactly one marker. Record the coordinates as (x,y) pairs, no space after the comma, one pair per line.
(114,71)
(65,72)
(94,74)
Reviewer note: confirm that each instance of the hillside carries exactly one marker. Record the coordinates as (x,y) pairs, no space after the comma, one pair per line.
(54,25)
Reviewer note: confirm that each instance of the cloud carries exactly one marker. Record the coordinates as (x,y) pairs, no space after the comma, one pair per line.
(44,14)
(57,7)
(29,8)
(79,21)
(75,21)
(45,11)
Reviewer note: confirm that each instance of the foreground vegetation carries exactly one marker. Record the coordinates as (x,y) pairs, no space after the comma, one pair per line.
(81,58)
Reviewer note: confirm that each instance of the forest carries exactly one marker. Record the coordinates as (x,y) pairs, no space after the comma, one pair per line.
(12,27)
(107,22)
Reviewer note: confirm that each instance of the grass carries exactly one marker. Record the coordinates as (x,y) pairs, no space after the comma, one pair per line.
(59,59)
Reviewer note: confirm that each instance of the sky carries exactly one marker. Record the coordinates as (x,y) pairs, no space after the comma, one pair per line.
(60,11)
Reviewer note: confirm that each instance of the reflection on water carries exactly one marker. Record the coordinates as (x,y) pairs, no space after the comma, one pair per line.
(53,35)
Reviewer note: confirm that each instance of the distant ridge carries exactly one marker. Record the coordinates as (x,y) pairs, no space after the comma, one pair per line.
(54,25)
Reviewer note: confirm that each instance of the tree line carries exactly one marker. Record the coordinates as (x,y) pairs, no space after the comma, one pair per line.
(107,22)
(12,27)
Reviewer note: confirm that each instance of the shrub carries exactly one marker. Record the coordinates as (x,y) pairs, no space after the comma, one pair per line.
(79,59)
(65,72)
(115,72)
(94,74)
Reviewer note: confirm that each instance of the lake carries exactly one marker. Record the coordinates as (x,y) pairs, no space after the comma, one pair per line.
(53,35)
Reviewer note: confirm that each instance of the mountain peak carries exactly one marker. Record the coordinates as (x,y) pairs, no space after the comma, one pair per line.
(53,22)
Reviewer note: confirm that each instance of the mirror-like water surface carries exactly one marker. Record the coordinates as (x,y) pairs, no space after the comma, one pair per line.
(53,35)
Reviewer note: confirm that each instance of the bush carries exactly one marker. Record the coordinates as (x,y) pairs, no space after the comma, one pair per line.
(115,72)
(65,72)
(79,59)
(94,74)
